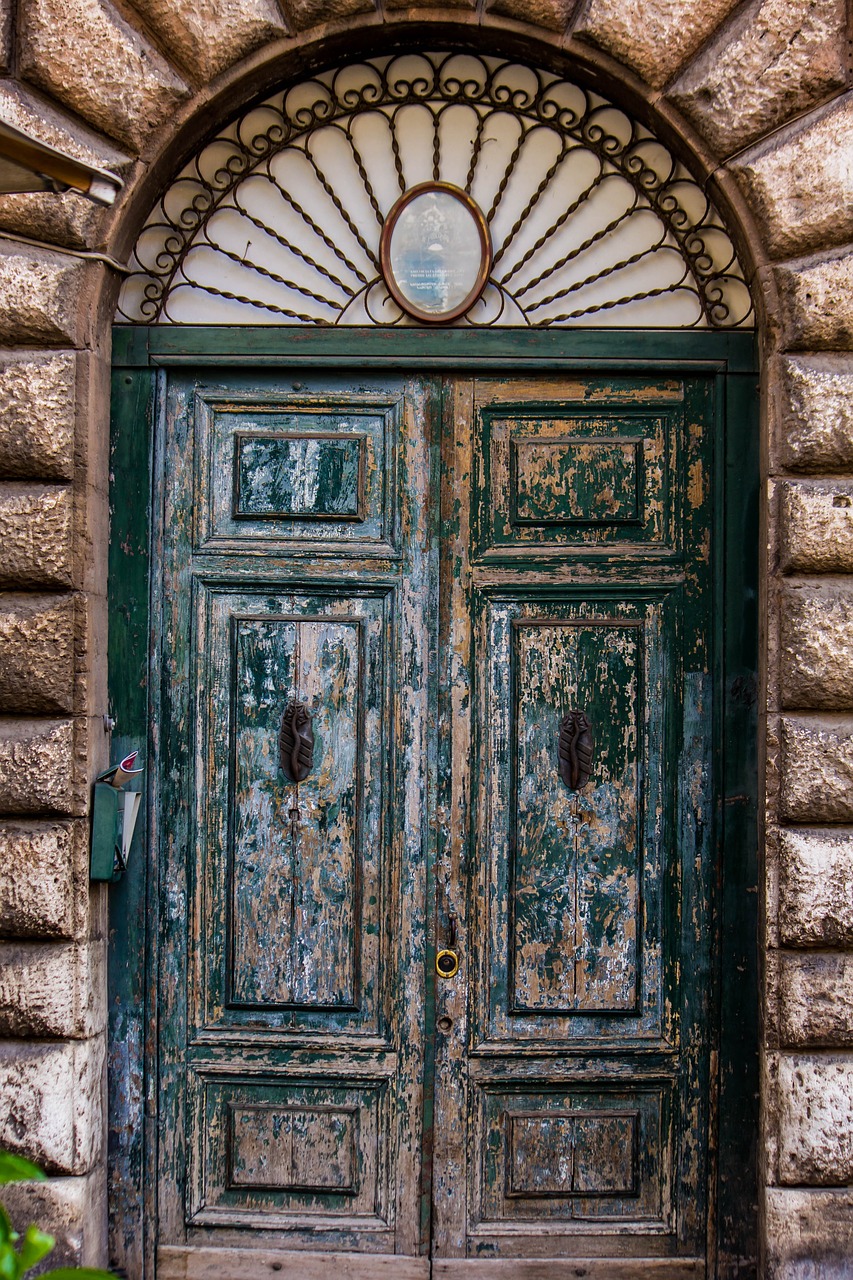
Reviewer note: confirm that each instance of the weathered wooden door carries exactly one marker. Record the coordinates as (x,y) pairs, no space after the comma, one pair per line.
(438,569)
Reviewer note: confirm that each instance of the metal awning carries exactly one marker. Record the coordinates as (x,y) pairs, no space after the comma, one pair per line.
(29,165)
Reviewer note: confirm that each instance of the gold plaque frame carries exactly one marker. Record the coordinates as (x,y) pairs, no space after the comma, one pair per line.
(405,303)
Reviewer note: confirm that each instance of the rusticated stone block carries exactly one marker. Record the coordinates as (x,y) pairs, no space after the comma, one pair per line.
(50,990)
(86,55)
(816,297)
(817,646)
(816,526)
(814,1117)
(816,1001)
(816,888)
(209,35)
(36,653)
(816,776)
(50,1102)
(35,534)
(37,414)
(809,1234)
(73,1210)
(813,407)
(307,13)
(41,295)
(552,14)
(37,763)
(451,4)
(654,40)
(44,884)
(5,35)
(800,182)
(775,59)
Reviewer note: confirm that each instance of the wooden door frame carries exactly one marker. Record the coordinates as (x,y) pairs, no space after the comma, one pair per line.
(142,357)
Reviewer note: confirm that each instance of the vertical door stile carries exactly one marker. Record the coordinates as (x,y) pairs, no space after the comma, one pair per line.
(414,759)
(453,857)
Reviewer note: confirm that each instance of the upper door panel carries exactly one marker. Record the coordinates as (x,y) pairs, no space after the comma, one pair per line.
(578,465)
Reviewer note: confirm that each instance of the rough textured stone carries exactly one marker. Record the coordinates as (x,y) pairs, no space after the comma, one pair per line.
(816,526)
(816,776)
(816,298)
(35,534)
(41,295)
(813,411)
(809,1234)
(67,219)
(817,646)
(44,889)
(449,4)
(73,1210)
(816,888)
(552,14)
(816,1001)
(50,1102)
(5,35)
(654,40)
(37,762)
(815,1120)
(210,35)
(49,990)
(37,414)
(775,59)
(799,183)
(36,653)
(85,54)
(307,13)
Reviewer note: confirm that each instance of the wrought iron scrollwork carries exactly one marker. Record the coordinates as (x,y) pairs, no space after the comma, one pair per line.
(296,742)
(592,219)
(575,750)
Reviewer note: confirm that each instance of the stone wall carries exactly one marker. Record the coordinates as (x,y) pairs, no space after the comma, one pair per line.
(761,93)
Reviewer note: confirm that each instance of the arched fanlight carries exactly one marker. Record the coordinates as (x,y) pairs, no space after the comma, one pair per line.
(552,204)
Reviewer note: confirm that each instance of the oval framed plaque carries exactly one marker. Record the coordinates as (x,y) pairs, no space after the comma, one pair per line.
(435,252)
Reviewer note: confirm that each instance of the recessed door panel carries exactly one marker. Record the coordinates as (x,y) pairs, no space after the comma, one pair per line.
(574,1154)
(294,877)
(574,879)
(297,466)
(274,1152)
(576,866)
(577,468)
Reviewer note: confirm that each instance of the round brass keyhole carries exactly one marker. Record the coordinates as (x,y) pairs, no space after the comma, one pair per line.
(446,964)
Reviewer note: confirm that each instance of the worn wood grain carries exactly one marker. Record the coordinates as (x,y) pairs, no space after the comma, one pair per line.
(250,1264)
(570,1269)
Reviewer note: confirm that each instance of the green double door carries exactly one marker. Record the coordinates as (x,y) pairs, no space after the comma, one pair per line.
(436,571)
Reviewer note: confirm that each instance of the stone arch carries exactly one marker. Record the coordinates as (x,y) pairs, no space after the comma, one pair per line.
(759,95)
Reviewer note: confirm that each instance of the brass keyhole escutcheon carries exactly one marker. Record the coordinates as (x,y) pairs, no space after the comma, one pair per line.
(446,964)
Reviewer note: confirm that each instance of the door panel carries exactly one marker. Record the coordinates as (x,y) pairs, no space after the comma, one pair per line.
(438,571)
(296,877)
(568,864)
(292,966)
(571,1096)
